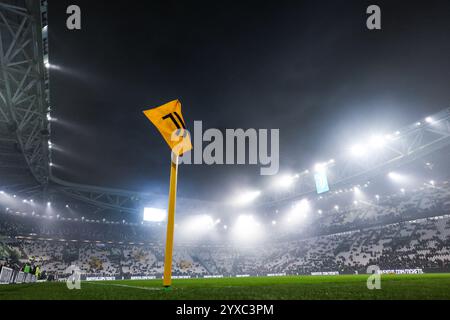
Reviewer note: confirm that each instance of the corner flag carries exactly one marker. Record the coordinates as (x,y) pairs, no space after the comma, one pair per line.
(170,123)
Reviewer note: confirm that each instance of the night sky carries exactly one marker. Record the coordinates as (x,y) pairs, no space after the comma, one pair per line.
(310,68)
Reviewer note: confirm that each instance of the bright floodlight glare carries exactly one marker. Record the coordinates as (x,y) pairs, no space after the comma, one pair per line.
(299,211)
(274,222)
(285,181)
(358,150)
(320,167)
(399,178)
(394,176)
(429,120)
(49,204)
(247,230)
(154,214)
(199,224)
(336,207)
(402,190)
(377,142)
(246,197)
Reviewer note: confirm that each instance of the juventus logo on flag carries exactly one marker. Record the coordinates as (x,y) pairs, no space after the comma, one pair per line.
(168,119)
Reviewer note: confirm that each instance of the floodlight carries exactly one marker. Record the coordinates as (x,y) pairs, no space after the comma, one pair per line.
(246,197)
(377,142)
(247,229)
(319,167)
(429,120)
(285,181)
(199,224)
(358,150)
(394,176)
(299,211)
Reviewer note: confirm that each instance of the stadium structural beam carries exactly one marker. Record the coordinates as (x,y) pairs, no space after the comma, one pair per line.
(125,201)
(23,93)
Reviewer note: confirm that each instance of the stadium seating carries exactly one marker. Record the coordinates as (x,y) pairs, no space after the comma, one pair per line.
(414,235)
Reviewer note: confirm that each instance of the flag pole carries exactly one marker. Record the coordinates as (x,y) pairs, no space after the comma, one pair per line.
(167,280)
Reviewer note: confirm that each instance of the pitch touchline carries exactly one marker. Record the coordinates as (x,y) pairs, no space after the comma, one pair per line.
(126,286)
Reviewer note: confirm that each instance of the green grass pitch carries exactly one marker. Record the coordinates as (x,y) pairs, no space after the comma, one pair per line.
(425,286)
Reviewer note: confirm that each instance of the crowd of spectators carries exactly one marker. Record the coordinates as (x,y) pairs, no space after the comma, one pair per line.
(400,232)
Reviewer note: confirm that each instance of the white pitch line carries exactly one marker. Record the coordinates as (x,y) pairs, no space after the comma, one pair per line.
(126,286)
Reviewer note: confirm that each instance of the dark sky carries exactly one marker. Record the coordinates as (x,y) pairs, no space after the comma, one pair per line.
(309,68)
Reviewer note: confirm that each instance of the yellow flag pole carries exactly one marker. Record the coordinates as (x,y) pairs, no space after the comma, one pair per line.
(167,281)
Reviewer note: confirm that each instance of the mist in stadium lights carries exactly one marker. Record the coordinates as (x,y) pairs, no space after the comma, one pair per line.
(197,226)
(298,213)
(377,141)
(246,197)
(154,214)
(358,194)
(247,230)
(320,167)
(399,178)
(323,166)
(358,150)
(285,181)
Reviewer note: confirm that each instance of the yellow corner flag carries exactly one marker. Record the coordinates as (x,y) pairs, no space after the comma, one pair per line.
(170,123)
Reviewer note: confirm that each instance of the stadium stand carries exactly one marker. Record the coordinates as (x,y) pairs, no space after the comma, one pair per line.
(413,235)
